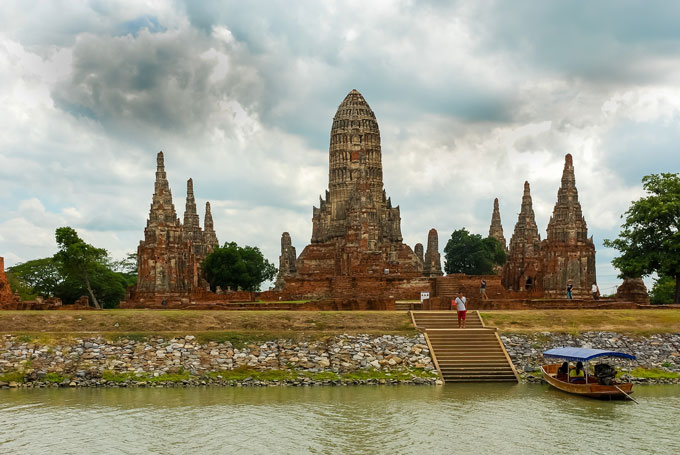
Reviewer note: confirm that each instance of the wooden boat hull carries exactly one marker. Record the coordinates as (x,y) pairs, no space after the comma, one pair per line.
(592,389)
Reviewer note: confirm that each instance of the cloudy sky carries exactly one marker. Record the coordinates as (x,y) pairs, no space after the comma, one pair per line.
(472,98)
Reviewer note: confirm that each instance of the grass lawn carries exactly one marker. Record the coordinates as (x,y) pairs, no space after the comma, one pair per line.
(240,326)
(639,322)
(205,324)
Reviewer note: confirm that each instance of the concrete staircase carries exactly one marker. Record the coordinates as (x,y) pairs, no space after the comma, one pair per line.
(473,354)
(406,305)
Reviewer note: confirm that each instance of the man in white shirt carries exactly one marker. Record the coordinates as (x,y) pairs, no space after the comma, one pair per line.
(462,310)
(596,291)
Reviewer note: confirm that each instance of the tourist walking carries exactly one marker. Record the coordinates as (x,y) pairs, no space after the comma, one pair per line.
(596,291)
(569,289)
(462,310)
(482,290)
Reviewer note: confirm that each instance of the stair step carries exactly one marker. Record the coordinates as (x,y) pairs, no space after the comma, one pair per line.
(473,354)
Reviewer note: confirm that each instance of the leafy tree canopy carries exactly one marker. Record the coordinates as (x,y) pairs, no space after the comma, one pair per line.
(649,241)
(663,291)
(471,254)
(232,266)
(34,278)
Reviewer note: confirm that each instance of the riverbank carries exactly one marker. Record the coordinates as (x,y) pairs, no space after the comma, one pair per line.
(185,361)
(169,348)
(658,355)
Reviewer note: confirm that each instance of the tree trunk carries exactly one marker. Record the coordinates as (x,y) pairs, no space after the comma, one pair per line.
(677,288)
(89,289)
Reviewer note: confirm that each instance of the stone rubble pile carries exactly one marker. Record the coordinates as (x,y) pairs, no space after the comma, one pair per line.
(653,351)
(84,360)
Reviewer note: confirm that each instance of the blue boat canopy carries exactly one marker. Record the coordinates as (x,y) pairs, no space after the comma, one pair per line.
(582,354)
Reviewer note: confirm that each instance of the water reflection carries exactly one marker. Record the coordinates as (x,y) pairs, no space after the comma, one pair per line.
(465,418)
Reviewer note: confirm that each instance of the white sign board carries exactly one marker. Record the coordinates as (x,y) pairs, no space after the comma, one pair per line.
(424,296)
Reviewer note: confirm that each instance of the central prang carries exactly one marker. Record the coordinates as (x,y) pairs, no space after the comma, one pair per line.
(355,229)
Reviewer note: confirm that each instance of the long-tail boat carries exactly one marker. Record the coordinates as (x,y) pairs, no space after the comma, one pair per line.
(588,385)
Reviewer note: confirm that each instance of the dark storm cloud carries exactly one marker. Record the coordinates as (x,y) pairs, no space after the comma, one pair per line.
(149,82)
(286,39)
(603,41)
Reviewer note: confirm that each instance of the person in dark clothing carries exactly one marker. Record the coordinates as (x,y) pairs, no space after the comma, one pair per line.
(563,372)
(569,289)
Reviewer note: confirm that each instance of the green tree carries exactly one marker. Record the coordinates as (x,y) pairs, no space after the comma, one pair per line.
(663,291)
(127,267)
(233,266)
(649,241)
(471,254)
(35,277)
(79,261)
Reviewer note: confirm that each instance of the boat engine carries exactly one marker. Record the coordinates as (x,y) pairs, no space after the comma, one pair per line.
(605,373)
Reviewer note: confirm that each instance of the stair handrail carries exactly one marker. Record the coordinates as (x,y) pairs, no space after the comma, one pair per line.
(507,356)
(434,356)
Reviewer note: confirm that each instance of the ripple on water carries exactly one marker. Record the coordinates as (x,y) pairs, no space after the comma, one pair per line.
(492,418)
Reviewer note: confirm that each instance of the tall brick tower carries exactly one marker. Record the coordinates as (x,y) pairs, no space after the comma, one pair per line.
(523,267)
(165,260)
(568,252)
(355,229)
(432,263)
(496,228)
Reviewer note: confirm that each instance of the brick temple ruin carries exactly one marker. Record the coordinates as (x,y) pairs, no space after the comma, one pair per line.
(170,256)
(356,257)
(6,295)
(567,255)
(356,249)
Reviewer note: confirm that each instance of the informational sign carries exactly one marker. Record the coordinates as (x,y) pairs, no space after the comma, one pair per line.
(424,296)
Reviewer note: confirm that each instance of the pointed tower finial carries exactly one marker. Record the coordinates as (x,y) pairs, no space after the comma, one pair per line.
(496,228)
(567,223)
(191,222)
(162,209)
(209,235)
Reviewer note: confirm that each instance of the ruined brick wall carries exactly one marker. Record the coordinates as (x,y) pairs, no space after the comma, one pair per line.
(6,295)
(633,290)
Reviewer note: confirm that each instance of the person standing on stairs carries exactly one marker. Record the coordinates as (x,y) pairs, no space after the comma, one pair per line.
(482,290)
(462,310)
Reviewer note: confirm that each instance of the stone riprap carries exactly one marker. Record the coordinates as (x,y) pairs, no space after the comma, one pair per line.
(653,351)
(336,360)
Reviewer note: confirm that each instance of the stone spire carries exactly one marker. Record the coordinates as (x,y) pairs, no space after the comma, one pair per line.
(432,266)
(568,253)
(418,249)
(162,209)
(567,223)
(356,230)
(209,235)
(525,239)
(191,220)
(496,228)
(355,178)
(165,262)
(287,261)
(523,267)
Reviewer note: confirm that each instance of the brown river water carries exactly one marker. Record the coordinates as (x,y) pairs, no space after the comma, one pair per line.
(468,418)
